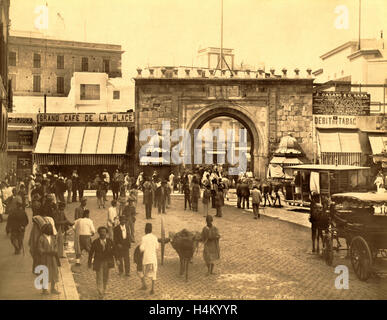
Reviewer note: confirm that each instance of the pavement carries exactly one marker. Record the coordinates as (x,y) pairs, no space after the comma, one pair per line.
(16,277)
(269,258)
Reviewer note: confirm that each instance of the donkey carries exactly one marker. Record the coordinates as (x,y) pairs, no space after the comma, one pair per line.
(185,243)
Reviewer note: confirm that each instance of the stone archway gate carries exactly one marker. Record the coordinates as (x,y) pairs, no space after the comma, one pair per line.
(269,108)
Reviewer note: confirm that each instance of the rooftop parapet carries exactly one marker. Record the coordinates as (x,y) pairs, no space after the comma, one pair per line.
(184,72)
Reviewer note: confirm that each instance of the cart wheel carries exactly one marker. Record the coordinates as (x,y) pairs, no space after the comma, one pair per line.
(361,258)
(328,250)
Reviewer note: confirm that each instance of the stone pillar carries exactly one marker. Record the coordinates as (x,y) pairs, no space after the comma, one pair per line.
(260,164)
(187,71)
(151,72)
(139,70)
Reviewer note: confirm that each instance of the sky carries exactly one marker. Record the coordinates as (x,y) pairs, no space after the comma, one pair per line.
(278,33)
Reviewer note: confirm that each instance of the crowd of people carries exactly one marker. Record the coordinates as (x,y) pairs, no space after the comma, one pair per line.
(45,195)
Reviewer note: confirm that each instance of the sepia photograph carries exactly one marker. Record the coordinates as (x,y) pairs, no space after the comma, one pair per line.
(193,154)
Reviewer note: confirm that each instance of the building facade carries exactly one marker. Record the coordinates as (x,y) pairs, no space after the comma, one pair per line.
(268,106)
(86,142)
(362,66)
(5,86)
(40,65)
(22,136)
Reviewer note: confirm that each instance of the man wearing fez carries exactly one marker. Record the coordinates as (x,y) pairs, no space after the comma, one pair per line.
(149,245)
(122,246)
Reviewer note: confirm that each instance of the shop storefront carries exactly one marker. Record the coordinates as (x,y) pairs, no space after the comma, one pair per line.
(338,140)
(87,142)
(22,134)
(338,118)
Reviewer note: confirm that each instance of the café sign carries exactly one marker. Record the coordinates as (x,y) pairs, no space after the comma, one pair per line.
(72,118)
(331,121)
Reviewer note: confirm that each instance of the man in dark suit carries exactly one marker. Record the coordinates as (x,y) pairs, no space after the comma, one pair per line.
(245,194)
(80,210)
(122,245)
(148,198)
(161,196)
(102,250)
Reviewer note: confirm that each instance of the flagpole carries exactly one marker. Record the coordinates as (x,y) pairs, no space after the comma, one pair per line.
(221,36)
(358,47)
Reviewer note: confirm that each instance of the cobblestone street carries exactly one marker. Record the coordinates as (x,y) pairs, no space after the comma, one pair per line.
(264,259)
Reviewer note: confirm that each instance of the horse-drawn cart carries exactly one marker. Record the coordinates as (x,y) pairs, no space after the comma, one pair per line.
(360,219)
(324,180)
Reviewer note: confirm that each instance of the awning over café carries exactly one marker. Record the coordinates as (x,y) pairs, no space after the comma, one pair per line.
(339,141)
(81,145)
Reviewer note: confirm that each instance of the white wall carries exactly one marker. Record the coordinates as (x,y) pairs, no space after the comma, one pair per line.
(73,103)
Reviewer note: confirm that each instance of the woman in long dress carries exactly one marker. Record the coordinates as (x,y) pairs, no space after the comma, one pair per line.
(211,251)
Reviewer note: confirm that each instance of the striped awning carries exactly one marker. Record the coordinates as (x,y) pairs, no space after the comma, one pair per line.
(339,141)
(81,146)
(82,140)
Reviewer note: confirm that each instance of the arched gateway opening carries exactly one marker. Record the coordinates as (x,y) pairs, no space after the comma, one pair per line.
(255,144)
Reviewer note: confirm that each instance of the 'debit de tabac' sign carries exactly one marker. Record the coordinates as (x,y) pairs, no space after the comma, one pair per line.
(341,103)
(331,121)
(56,118)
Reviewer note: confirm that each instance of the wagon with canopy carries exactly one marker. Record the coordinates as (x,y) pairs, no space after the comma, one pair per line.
(325,180)
(360,219)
